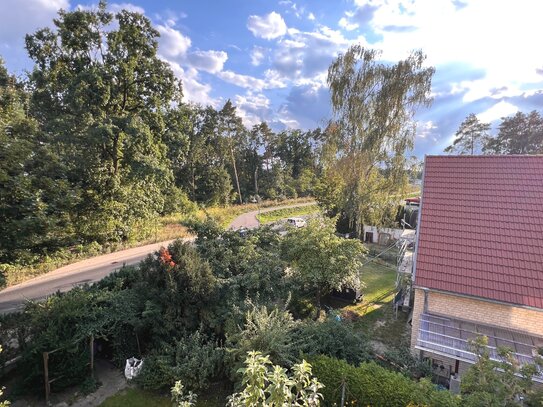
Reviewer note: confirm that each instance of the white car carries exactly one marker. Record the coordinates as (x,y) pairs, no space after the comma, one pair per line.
(296,222)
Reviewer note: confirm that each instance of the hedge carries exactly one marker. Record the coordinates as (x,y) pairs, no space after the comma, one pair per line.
(373,385)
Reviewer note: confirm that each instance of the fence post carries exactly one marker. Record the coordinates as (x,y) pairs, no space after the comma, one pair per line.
(46,376)
(342,393)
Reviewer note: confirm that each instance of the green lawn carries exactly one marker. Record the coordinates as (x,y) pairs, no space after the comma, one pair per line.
(140,398)
(375,315)
(273,216)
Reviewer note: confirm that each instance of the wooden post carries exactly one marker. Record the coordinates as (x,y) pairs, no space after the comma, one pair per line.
(92,355)
(342,393)
(46,376)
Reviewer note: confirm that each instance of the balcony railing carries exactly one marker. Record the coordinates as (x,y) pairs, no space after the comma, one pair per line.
(450,337)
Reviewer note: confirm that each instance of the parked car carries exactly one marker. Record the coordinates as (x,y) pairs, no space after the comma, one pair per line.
(296,222)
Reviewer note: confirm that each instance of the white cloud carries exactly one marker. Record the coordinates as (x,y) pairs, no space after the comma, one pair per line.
(311,17)
(269,26)
(18,18)
(257,55)
(345,24)
(209,61)
(253,109)
(494,36)
(116,7)
(171,42)
(272,80)
(499,110)
(193,90)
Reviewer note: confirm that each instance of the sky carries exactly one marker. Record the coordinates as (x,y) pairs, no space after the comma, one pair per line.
(271,57)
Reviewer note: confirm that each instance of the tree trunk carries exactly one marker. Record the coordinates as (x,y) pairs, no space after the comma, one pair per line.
(318,303)
(256,180)
(236,175)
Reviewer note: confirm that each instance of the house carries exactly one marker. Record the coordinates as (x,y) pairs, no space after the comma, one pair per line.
(478,262)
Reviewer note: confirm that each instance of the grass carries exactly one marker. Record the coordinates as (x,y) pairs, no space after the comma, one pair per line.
(273,216)
(134,397)
(374,315)
(165,228)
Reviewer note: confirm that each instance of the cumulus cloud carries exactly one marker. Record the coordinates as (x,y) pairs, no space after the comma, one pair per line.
(116,7)
(311,17)
(19,18)
(345,24)
(209,61)
(172,43)
(252,108)
(496,112)
(269,26)
(193,89)
(257,55)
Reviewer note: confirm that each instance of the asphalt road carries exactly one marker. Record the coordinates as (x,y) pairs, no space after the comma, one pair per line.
(96,268)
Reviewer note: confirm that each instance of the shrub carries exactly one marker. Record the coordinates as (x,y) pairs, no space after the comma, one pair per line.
(194,360)
(373,385)
(333,338)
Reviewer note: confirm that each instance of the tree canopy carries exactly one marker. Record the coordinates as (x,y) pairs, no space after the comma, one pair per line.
(374,103)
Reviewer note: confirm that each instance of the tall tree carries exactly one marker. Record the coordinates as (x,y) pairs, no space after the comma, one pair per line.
(470,136)
(100,91)
(232,131)
(518,134)
(374,104)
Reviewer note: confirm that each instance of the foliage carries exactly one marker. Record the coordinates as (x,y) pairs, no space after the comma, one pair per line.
(193,360)
(136,398)
(3,403)
(268,332)
(321,260)
(370,384)
(179,398)
(489,382)
(337,339)
(518,134)
(266,384)
(374,104)
(402,360)
(470,136)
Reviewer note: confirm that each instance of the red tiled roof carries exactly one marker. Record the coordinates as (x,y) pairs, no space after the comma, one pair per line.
(481,227)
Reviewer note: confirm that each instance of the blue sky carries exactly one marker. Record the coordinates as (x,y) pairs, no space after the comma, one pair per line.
(270,57)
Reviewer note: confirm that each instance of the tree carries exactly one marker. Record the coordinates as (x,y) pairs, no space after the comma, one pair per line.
(374,104)
(101,94)
(492,382)
(4,403)
(321,260)
(267,385)
(470,136)
(180,399)
(232,131)
(518,134)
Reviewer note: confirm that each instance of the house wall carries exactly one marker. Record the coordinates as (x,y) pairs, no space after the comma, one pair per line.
(480,311)
(394,233)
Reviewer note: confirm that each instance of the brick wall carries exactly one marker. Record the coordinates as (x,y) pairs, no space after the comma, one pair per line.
(485,312)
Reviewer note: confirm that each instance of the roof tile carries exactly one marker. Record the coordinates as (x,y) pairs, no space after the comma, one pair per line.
(481,227)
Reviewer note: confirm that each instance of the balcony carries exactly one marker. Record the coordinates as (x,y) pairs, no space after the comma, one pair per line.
(449,337)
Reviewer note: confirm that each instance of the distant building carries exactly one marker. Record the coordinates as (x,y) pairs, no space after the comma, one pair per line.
(478,263)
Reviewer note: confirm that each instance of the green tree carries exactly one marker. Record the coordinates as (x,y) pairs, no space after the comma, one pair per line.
(494,383)
(518,134)
(267,385)
(470,136)
(374,104)
(321,260)
(4,403)
(233,133)
(101,93)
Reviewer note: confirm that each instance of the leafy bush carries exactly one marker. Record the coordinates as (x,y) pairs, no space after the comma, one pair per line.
(333,338)
(269,332)
(403,361)
(194,360)
(372,385)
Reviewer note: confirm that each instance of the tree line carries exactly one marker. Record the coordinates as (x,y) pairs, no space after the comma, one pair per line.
(96,143)
(521,133)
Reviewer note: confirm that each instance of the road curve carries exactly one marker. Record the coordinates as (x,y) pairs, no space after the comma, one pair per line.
(96,268)
(249,220)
